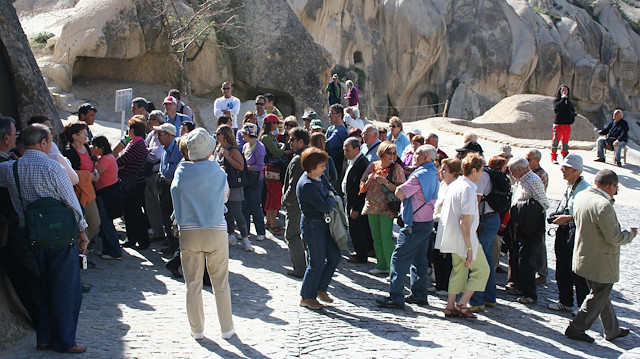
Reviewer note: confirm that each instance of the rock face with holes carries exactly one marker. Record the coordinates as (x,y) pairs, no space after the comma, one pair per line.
(475,53)
(123,40)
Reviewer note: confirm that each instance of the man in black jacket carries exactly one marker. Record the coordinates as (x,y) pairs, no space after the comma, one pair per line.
(615,134)
(358,223)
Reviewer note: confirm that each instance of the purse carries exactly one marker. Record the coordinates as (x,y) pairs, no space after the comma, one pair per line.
(234,177)
(393,202)
(49,222)
(272,172)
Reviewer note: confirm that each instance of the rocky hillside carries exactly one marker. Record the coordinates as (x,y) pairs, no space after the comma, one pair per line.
(405,56)
(412,53)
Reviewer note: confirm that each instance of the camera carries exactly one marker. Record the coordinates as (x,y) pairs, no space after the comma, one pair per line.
(83,261)
(551,218)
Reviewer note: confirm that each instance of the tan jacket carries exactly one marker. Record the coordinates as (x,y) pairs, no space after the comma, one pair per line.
(596,253)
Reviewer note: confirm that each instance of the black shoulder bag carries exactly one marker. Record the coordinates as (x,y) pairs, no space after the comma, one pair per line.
(49,222)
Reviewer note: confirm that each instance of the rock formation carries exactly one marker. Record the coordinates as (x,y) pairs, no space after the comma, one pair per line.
(413,53)
(124,40)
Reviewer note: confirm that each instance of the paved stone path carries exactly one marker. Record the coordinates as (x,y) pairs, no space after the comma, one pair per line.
(135,310)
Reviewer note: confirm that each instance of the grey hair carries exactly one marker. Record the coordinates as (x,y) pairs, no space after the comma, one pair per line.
(432,135)
(349,82)
(354,109)
(518,163)
(5,125)
(470,136)
(353,142)
(536,154)
(34,134)
(605,177)
(373,128)
(158,115)
(428,150)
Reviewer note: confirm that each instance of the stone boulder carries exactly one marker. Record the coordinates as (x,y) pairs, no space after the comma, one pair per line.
(531,117)
(410,54)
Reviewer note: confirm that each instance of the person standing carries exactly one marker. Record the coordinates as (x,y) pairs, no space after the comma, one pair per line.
(371,142)
(336,134)
(352,94)
(398,137)
(60,301)
(316,197)
(615,134)
(254,152)
(227,105)
(333,90)
(418,195)
(565,236)
(299,141)
(354,201)
(596,256)
(172,115)
(564,118)
(533,157)
(152,166)
(384,172)
(199,191)
(528,213)
(459,221)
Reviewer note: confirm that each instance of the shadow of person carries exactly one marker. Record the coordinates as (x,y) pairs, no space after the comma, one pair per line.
(250,299)
(247,351)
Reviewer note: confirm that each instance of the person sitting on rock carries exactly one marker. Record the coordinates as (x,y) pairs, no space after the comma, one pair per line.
(614,136)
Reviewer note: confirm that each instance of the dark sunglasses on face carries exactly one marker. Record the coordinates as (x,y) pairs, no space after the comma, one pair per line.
(291,139)
(226,88)
(394,126)
(259,103)
(391,153)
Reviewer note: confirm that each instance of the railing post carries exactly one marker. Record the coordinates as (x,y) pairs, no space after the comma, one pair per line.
(446,109)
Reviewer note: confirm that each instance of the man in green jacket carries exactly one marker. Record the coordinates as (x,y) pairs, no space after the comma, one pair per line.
(596,256)
(334,90)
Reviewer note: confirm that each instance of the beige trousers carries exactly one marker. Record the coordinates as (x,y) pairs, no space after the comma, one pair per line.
(198,247)
(92,216)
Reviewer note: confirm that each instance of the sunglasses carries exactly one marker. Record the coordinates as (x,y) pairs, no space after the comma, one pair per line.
(291,139)
(226,88)
(259,103)
(290,125)
(218,133)
(394,126)
(391,153)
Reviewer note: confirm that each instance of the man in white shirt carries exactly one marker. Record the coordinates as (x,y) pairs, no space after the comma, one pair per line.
(227,105)
(261,109)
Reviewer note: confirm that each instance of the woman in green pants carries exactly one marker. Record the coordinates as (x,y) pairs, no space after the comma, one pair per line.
(384,172)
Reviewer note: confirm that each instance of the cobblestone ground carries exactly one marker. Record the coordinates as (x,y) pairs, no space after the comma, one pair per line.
(135,310)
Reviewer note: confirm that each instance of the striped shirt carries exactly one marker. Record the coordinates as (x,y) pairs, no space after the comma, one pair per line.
(39,177)
(132,159)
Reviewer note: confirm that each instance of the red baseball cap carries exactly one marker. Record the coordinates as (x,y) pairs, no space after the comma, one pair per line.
(272,118)
(170,99)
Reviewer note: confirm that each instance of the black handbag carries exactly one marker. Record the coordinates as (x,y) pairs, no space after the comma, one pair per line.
(393,202)
(234,177)
(49,222)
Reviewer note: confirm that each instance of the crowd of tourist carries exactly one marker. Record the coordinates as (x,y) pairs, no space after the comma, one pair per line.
(198,192)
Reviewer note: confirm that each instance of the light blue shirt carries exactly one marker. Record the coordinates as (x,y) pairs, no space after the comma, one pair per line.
(171,157)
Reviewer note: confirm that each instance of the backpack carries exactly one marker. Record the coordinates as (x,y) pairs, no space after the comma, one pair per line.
(500,196)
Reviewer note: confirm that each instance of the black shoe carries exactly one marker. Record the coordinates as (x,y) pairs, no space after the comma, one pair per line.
(86,288)
(128,244)
(388,303)
(142,247)
(295,274)
(413,300)
(573,333)
(174,271)
(623,333)
(167,250)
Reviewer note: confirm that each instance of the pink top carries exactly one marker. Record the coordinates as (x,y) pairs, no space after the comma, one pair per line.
(421,212)
(85,161)
(110,174)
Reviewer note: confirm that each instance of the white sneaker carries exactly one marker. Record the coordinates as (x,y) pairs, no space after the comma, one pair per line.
(229,334)
(246,243)
(442,292)
(260,237)
(560,307)
(232,239)
(431,289)
(378,271)
(197,336)
(108,257)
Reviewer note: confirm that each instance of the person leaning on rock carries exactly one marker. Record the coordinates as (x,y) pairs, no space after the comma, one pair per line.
(564,118)
(596,256)
(615,135)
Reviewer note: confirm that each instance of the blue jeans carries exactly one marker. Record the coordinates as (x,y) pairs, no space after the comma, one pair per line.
(410,253)
(490,226)
(108,233)
(61,296)
(324,256)
(251,207)
(602,143)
